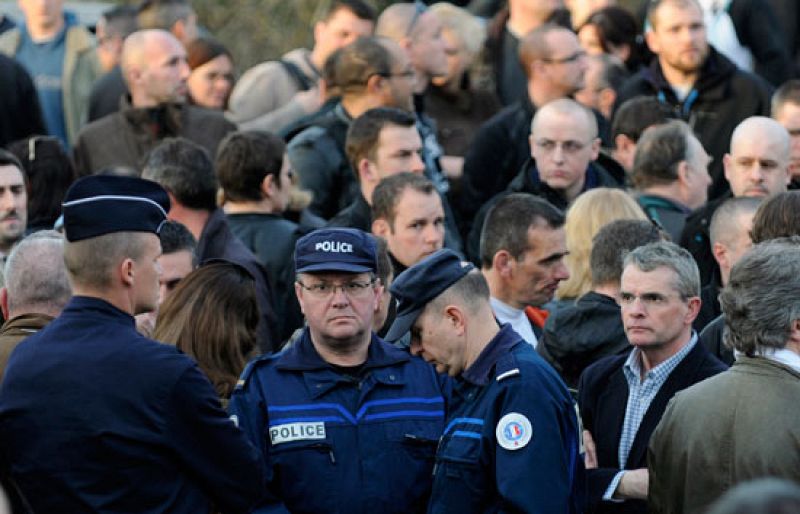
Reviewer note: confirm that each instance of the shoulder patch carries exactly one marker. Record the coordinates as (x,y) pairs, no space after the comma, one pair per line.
(250,368)
(508,374)
(514,431)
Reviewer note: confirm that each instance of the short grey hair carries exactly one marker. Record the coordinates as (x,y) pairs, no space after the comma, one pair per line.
(760,302)
(36,278)
(668,255)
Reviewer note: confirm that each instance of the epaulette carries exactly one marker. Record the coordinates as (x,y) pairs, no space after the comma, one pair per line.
(506,367)
(250,367)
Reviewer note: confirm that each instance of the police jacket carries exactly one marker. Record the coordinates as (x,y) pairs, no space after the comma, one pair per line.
(96,418)
(336,442)
(511,439)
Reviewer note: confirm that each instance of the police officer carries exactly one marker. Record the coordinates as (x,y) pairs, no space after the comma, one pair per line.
(510,443)
(345,422)
(95,417)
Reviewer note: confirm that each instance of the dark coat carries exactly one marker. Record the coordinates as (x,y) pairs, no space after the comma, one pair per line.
(668,214)
(317,154)
(217,241)
(722,97)
(272,238)
(499,150)
(575,336)
(125,138)
(527,181)
(602,400)
(20,113)
(356,215)
(135,425)
(711,338)
(696,237)
(106,94)
(757,28)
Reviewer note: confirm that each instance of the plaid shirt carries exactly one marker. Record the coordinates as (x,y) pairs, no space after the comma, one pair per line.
(640,396)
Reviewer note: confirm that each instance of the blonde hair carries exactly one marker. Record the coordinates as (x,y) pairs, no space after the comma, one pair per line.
(467,27)
(590,212)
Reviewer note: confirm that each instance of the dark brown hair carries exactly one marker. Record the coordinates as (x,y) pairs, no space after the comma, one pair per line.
(212,316)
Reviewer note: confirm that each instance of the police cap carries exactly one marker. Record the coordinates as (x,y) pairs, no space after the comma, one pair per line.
(336,249)
(103,204)
(420,284)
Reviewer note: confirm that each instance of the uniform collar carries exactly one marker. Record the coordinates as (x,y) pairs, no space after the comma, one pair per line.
(481,371)
(302,356)
(101,309)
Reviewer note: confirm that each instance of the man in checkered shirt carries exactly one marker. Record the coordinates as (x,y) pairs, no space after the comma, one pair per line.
(622,398)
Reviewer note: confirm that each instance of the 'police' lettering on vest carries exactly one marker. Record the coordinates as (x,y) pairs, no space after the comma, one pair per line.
(296,432)
(334,247)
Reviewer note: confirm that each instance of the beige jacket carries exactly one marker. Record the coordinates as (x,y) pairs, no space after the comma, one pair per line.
(736,426)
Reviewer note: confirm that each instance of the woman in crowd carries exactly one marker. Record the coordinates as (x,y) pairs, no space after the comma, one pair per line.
(613,30)
(591,211)
(211,80)
(212,316)
(455,101)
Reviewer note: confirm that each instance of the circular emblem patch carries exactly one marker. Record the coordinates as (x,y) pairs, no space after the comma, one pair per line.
(514,431)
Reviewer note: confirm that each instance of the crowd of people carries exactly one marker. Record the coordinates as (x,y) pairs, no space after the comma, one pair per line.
(523,256)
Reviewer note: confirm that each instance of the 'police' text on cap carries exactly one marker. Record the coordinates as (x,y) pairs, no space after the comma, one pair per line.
(336,249)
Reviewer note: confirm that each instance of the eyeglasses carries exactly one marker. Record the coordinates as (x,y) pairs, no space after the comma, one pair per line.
(648,299)
(580,54)
(568,147)
(419,8)
(351,289)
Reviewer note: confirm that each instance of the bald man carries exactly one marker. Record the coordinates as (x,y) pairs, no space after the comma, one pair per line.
(756,166)
(730,239)
(564,146)
(155,69)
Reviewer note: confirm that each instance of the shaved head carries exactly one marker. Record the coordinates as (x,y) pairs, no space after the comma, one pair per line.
(761,127)
(154,67)
(758,163)
(571,108)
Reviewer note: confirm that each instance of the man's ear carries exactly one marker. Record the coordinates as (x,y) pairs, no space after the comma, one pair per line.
(380,227)
(456,317)
(4,303)
(694,303)
(607,99)
(727,163)
(683,173)
(502,262)
(720,253)
(268,186)
(652,41)
(596,144)
(127,272)
(366,173)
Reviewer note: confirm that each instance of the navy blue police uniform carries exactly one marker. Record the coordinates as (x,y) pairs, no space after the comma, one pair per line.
(338,443)
(96,418)
(511,439)
(352,440)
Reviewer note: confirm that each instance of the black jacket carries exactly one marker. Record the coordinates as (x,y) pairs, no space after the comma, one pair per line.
(578,335)
(20,114)
(667,214)
(106,94)
(272,238)
(356,215)
(696,238)
(318,156)
(602,400)
(722,97)
(527,181)
(711,338)
(759,29)
(217,241)
(500,148)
